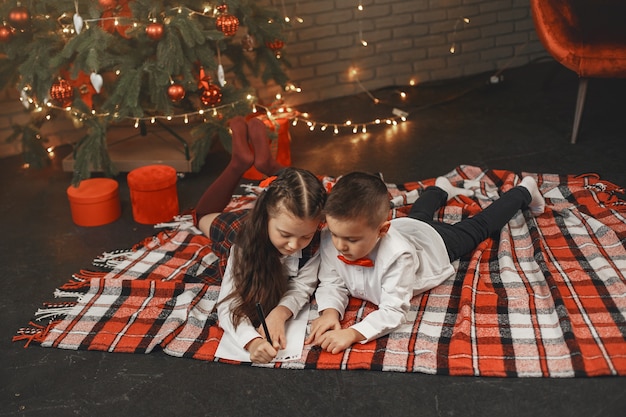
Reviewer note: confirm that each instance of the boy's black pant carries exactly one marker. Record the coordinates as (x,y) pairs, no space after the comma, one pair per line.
(464,236)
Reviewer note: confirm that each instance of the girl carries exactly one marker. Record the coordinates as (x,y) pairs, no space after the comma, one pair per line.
(275,259)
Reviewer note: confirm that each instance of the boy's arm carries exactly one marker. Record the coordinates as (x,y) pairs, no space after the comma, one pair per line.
(395,300)
(331,291)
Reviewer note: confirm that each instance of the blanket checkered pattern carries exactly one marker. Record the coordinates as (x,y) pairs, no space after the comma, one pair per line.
(547,298)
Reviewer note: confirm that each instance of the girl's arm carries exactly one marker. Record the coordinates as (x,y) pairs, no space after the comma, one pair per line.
(301,287)
(245,331)
(299,291)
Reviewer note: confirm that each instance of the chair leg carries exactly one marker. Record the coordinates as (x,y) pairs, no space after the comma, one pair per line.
(580,104)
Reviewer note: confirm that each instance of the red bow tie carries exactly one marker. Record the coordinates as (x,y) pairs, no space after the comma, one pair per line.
(361,262)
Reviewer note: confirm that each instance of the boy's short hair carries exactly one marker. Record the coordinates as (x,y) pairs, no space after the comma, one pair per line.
(359,195)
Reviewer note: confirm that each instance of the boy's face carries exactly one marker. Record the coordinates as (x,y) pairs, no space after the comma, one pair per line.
(354,238)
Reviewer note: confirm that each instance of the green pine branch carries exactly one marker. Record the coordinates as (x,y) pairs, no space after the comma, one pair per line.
(138,70)
(91,152)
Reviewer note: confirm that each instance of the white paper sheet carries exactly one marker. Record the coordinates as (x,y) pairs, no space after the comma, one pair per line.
(295,331)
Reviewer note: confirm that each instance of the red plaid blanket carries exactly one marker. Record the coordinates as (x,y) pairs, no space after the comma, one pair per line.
(545,299)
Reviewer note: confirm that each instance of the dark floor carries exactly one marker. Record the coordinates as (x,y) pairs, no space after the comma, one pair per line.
(521,124)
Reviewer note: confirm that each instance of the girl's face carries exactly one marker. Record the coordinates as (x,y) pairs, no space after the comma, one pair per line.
(289,233)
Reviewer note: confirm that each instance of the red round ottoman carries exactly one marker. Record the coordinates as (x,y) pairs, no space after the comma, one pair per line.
(153,193)
(94,202)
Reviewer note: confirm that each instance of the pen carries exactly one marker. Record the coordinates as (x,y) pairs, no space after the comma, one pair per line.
(259,310)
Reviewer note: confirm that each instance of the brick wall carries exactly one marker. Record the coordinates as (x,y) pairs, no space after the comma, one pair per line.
(407,40)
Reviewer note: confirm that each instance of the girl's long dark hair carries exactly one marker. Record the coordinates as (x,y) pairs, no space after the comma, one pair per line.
(257,272)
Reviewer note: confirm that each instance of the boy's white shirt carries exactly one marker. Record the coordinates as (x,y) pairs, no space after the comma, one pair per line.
(409,259)
(301,286)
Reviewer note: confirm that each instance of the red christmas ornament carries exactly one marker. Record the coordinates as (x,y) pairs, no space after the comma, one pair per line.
(275,45)
(82,83)
(226,22)
(62,93)
(211,96)
(107,4)
(176,92)
(19,17)
(5,33)
(154,31)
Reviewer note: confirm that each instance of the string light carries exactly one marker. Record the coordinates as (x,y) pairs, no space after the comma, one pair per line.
(361,40)
(397,117)
(354,74)
(464,20)
(210,12)
(185,116)
(287,18)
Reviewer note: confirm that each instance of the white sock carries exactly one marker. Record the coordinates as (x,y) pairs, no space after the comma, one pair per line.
(538,204)
(446,185)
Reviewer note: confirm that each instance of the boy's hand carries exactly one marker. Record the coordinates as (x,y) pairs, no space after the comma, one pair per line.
(261,351)
(276,326)
(328,320)
(336,341)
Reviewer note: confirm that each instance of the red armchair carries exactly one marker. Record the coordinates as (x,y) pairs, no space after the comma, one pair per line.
(586,36)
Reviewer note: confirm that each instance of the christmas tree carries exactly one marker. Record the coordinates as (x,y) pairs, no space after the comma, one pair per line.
(136,61)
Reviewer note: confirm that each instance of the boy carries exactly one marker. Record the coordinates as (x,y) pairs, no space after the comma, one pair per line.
(387,262)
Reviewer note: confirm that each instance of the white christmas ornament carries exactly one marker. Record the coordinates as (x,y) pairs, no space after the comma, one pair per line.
(220,75)
(78,23)
(25,99)
(96,81)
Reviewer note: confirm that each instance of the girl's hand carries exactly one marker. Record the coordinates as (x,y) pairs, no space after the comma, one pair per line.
(336,341)
(261,351)
(276,326)
(328,320)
